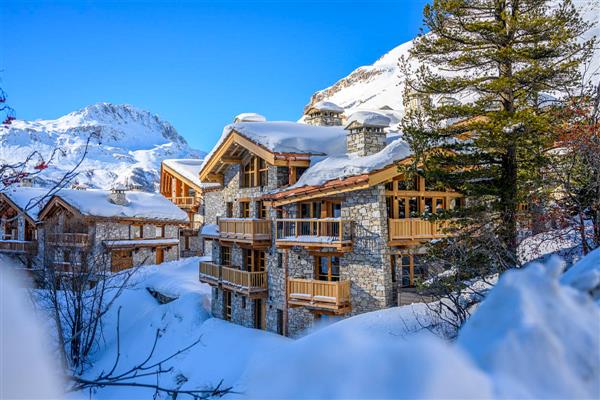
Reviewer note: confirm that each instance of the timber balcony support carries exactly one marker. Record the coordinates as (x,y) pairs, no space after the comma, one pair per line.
(314,233)
(251,284)
(244,230)
(18,246)
(320,296)
(406,230)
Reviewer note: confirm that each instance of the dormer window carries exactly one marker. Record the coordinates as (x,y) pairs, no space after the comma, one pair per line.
(255,173)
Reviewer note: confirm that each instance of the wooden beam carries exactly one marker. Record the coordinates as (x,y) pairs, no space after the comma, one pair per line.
(231,160)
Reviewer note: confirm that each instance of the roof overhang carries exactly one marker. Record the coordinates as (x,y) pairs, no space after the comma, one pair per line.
(12,204)
(230,152)
(176,174)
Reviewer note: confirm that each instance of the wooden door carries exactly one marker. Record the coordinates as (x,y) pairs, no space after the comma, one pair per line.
(160,255)
(260,314)
(121,259)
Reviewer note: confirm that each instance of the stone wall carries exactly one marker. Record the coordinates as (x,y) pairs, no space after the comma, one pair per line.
(365,142)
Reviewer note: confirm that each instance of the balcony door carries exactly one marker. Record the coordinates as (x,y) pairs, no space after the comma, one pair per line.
(260,314)
(327,268)
(408,270)
(254,260)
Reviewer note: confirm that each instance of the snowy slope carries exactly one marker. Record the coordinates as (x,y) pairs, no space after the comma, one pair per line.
(128,145)
(379,86)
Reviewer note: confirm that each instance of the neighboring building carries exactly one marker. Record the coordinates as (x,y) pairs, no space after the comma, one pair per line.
(114,230)
(19,208)
(313,221)
(179,182)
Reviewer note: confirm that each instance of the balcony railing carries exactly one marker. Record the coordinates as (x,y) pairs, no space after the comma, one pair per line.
(185,201)
(417,229)
(245,282)
(67,267)
(244,229)
(18,246)
(68,239)
(314,232)
(320,295)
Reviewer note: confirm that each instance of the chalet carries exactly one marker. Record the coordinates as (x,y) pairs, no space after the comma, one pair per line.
(114,230)
(180,183)
(314,220)
(19,208)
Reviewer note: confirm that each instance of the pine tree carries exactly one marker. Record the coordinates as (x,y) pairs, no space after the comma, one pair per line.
(482,126)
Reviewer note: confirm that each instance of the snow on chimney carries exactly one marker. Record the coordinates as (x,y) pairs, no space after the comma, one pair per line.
(366,132)
(117,196)
(324,113)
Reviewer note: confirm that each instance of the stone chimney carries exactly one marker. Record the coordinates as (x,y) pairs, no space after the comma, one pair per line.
(324,113)
(117,196)
(366,132)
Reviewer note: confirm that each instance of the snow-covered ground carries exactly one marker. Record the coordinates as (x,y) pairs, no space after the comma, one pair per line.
(535,336)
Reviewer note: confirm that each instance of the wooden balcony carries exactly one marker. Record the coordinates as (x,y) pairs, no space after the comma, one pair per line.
(244,230)
(315,233)
(251,284)
(18,246)
(409,230)
(186,202)
(323,296)
(68,239)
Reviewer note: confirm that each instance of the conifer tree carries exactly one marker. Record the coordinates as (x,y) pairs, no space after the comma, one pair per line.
(485,69)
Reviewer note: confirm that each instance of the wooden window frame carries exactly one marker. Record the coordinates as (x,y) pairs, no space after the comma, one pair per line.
(225,255)
(244,209)
(330,276)
(227,305)
(131,232)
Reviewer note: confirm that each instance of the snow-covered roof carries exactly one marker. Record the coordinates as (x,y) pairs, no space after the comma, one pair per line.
(249,117)
(140,205)
(326,106)
(348,165)
(368,118)
(189,168)
(210,230)
(26,198)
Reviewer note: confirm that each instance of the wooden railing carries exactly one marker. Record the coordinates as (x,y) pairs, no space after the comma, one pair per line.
(68,239)
(185,201)
(319,294)
(14,246)
(64,266)
(314,230)
(417,229)
(244,229)
(237,279)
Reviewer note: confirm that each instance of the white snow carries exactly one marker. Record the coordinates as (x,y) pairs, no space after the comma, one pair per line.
(327,106)
(209,230)
(114,243)
(128,148)
(189,168)
(31,200)
(585,275)
(368,118)
(249,117)
(347,165)
(96,203)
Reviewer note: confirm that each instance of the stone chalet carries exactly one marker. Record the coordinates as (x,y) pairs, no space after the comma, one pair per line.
(313,220)
(116,229)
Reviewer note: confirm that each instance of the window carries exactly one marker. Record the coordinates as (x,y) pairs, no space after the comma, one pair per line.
(254,260)
(327,268)
(255,173)
(279,260)
(227,305)
(262,211)
(225,255)
(120,260)
(228,209)
(136,231)
(280,322)
(300,171)
(244,209)
(310,210)
(409,269)
(243,302)
(160,231)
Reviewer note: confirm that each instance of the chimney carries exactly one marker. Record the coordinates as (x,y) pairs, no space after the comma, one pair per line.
(324,113)
(117,196)
(366,134)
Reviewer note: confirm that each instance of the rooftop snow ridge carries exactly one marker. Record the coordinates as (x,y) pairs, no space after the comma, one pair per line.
(368,118)
(327,106)
(249,117)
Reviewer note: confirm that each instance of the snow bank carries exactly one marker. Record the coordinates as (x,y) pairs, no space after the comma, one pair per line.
(585,275)
(535,337)
(97,203)
(343,166)
(26,198)
(532,337)
(368,118)
(27,368)
(209,230)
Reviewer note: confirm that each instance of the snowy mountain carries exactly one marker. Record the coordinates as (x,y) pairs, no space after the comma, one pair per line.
(127,145)
(379,86)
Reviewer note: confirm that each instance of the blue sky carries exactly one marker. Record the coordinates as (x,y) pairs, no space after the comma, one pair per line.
(196,64)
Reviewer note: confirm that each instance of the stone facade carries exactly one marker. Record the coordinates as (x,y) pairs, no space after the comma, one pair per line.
(324,118)
(365,140)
